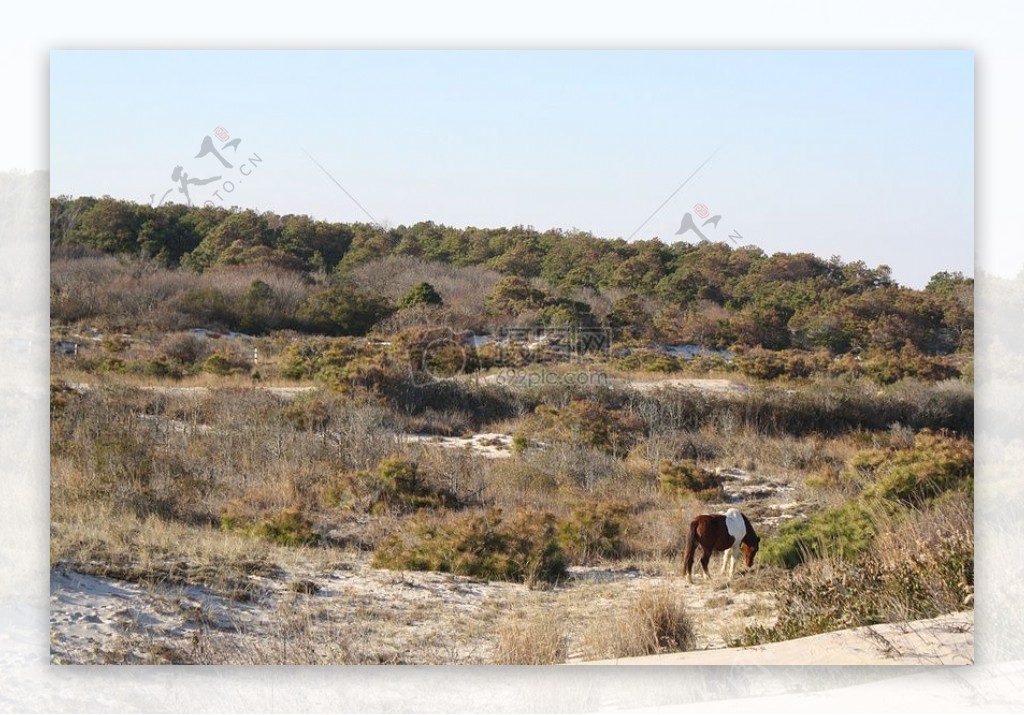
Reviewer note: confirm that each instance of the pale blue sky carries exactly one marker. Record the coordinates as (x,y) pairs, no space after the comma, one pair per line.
(863,154)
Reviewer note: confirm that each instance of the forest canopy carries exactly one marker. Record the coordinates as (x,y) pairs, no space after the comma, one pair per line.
(294,272)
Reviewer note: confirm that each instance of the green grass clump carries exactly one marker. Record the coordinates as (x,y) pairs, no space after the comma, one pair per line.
(521,547)
(846,531)
(287,527)
(685,478)
(594,531)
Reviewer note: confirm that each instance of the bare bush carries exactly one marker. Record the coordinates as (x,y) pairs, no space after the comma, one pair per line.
(140,293)
(463,289)
(577,465)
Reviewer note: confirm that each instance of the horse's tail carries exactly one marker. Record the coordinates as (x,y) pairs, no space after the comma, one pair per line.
(691,549)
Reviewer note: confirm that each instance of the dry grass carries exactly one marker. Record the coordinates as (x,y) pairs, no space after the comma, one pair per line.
(656,622)
(142,478)
(531,638)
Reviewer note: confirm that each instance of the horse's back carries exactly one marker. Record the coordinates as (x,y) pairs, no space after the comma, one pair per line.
(712,532)
(736,524)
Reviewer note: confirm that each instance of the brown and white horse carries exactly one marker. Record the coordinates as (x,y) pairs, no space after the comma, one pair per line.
(730,532)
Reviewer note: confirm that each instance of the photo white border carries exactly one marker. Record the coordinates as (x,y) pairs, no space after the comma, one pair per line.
(28,683)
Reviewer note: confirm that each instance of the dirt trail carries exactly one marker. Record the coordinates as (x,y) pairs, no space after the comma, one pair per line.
(288,392)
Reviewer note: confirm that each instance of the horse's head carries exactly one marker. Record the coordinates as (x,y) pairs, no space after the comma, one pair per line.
(749,548)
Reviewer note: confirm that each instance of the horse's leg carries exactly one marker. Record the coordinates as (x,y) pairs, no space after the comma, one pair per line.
(733,556)
(705,557)
(691,548)
(725,560)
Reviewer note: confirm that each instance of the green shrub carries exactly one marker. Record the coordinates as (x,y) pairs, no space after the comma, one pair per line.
(208,306)
(162,367)
(522,547)
(594,531)
(438,352)
(936,464)
(770,364)
(186,349)
(395,487)
(108,364)
(288,527)
(341,310)
(830,594)
(642,360)
(845,531)
(685,478)
(225,362)
(894,480)
(420,294)
(316,357)
(592,423)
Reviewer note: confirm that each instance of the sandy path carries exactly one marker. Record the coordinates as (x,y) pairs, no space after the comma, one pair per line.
(357,614)
(287,392)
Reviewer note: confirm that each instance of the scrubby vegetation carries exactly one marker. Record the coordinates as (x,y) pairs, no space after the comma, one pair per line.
(274,384)
(520,547)
(920,566)
(170,266)
(657,622)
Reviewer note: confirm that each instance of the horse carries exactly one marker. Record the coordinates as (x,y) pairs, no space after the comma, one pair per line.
(730,532)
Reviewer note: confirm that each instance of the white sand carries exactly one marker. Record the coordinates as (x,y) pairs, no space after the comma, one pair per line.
(702,384)
(946,640)
(493,445)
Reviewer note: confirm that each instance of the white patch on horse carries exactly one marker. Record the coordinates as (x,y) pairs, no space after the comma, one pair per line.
(737,530)
(736,526)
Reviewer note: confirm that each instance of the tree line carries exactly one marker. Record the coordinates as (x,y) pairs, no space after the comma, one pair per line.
(706,293)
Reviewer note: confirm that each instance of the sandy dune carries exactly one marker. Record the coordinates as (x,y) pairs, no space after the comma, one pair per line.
(356,614)
(946,640)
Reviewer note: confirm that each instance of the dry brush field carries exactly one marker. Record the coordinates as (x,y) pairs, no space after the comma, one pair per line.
(298,511)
